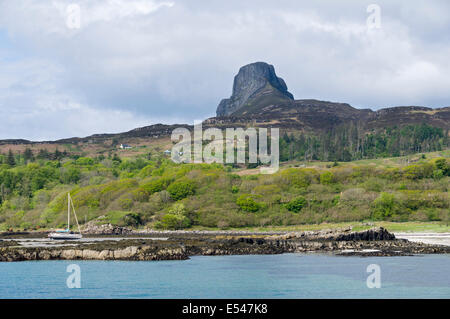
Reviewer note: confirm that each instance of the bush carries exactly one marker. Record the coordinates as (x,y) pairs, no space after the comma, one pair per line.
(177,209)
(132,219)
(418,171)
(181,189)
(71,175)
(374,184)
(247,203)
(173,221)
(146,171)
(296,204)
(156,185)
(327,178)
(441,164)
(125,203)
(438,174)
(385,206)
(296,177)
(140,195)
(84,161)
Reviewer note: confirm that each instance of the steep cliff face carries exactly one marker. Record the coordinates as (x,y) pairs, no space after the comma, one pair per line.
(259,96)
(252,82)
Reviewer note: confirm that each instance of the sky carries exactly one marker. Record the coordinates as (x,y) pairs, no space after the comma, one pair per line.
(76,68)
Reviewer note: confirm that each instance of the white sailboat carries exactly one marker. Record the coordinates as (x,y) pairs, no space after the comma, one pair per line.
(66,234)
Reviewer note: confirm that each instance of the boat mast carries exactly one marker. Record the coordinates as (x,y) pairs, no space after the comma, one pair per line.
(68,211)
(75,214)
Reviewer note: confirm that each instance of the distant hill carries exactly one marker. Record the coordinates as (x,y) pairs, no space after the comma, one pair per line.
(259,95)
(261,99)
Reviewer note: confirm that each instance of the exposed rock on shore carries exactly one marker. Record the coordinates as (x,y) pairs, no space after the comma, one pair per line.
(178,246)
(342,235)
(129,250)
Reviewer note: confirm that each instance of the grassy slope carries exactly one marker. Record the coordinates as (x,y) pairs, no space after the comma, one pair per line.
(387,162)
(214,204)
(432,227)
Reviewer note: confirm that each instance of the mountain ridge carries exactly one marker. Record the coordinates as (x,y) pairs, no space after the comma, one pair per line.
(261,98)
(440,117)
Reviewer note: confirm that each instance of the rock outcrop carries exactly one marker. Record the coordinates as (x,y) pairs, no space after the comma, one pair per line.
(145,252)
(374,234)
(369,235)
(253,80)
(92,228)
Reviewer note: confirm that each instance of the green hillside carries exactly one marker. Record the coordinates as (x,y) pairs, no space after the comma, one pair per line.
(152,191)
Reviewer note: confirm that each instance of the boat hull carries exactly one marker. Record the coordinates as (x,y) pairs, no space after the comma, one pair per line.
(64,236)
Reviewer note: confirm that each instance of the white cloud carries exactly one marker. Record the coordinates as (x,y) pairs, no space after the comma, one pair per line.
(119,9)
(176,60)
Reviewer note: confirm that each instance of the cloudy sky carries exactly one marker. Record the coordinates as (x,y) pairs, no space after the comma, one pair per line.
(131,63)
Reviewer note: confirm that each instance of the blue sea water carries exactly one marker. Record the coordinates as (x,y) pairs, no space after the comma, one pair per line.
(250,276)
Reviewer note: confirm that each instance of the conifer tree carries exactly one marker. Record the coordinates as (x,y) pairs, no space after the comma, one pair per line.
(11,161)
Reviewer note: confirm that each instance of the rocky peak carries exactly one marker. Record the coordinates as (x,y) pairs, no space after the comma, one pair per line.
(252,81)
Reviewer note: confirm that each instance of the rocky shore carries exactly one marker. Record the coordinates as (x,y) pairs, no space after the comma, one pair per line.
(181,245)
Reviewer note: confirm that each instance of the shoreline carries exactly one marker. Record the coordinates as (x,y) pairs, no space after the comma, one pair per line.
(107,228)
(426,238)
(182,245)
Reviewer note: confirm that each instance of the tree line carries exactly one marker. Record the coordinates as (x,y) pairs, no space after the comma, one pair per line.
(351,142)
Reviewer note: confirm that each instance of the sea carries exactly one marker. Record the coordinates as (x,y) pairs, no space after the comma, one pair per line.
(243,276)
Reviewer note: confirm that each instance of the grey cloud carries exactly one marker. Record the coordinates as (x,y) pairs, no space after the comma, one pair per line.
(174,63)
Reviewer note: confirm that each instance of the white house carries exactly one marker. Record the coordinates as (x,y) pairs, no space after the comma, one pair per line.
(125,146)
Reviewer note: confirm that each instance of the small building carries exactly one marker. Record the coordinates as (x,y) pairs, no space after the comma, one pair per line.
(125,146)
